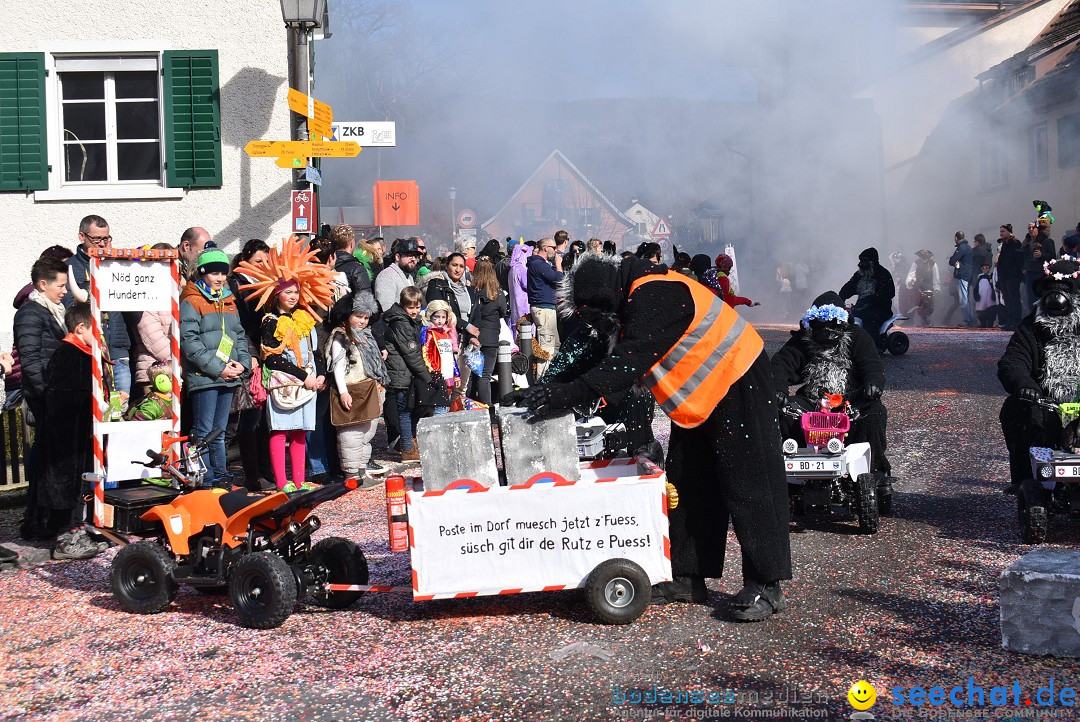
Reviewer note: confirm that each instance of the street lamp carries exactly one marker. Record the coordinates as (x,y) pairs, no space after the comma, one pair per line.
(453,214)
(300,17)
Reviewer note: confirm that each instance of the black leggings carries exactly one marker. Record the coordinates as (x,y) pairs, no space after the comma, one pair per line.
(480,386)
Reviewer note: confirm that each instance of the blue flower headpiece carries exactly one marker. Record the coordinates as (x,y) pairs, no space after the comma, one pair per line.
(826,313)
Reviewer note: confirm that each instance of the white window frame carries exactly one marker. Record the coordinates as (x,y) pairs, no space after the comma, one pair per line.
(59,190)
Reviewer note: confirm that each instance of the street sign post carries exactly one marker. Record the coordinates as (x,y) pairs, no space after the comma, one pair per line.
(466,219)
(378,134)
(662,230)
(304,216)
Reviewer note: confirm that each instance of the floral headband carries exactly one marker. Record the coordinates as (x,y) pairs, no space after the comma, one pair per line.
(1058,276)
(825,313)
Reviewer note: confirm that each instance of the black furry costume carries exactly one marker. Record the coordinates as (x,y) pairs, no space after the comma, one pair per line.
(1041,360)
(849,369)
(875,288)
(730,466)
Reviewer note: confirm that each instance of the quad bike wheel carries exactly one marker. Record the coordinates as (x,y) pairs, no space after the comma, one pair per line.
(142,578)
(344,563)
(263,590)
(866,503)
(897,343)
(1031,512)
(618,591)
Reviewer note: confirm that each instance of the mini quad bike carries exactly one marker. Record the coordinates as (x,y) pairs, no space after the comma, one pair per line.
(255,547)
(1054,488)
(826,477)
(895,342)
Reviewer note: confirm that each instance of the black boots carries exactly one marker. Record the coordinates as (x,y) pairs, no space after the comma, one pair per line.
(681,589)
(757,601)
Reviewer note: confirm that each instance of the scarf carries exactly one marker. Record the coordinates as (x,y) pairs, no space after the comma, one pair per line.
(56,309)
(213,295)
(461,291)
(370,355)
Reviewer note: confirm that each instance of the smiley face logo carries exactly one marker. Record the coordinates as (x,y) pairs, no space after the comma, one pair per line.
(862,695)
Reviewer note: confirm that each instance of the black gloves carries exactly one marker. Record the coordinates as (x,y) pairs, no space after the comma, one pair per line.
(515,398)
(1028,394)
(549,399)
(872,391)
(781,398)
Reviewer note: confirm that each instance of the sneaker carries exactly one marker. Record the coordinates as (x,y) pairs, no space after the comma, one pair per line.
(411,455)
(374,468)
(768,599)
(291,488)
(76,545)
(369,482)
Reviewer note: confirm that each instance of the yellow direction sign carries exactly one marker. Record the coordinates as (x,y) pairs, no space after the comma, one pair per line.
(319,114)
(302,149)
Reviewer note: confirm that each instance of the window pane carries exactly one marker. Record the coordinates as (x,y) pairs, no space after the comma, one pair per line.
(136,120)
(83,86)
(84,121)
(136,85)
(138,161)
(84,162)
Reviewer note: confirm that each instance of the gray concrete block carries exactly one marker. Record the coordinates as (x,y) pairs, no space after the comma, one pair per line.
(457,446)
(1040,603)
(530,447)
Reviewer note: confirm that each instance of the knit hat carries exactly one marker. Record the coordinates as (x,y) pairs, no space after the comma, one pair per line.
(699,264)
(724,262)
(213,260)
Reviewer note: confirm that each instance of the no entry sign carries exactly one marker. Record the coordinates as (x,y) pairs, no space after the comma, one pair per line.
(466,219)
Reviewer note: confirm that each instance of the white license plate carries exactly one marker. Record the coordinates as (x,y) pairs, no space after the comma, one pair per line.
(809,465)
(1070,470)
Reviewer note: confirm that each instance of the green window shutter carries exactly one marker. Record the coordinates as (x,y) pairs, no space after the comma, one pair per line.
(24,153)
(192,118)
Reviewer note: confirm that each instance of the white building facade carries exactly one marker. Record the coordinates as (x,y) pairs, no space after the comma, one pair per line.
(139,112)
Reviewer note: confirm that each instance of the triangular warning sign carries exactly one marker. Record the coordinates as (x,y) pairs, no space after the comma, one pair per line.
(661,228)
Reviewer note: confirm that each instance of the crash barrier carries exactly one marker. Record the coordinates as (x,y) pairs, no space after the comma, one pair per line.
(16,442)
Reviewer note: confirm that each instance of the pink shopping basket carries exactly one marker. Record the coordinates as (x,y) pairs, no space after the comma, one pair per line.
(820,426)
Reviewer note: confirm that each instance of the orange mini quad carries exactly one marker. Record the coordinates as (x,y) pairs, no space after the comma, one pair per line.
(255,547)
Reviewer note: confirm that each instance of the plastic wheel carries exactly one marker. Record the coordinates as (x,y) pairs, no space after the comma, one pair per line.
(344,563)
(897,343)
(141,578)
(263,590)
(866,503)
(1031,513)
(618,591)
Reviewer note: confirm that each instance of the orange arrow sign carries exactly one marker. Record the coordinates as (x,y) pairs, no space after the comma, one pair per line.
(303,148)
(291,161)
(310,108)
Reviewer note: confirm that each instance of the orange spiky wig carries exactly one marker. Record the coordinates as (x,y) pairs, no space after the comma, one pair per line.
(291,264)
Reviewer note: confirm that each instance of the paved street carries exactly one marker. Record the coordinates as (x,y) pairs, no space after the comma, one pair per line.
(914,605)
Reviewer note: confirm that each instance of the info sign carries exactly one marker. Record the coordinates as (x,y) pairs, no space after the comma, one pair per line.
(544,536)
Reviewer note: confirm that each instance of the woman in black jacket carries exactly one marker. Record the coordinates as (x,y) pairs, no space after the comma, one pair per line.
(453,289)
(486,317)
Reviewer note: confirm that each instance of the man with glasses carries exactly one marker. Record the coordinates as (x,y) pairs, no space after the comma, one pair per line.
(544,274)
(399,274)
(94,233)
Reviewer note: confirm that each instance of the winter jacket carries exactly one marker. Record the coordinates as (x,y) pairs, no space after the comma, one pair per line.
(486,316)
(884,289)
(789,364)
(37,336)
(519,283)
(1010,264)
(543,279)
(389,284)
(979,255)
(404,361)
(114,327)
(360,296)
(154,342)
(962,255)
(502,272)
(438,289)
(202,323)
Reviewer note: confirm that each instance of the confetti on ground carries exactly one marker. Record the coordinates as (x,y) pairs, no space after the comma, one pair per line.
(915,604)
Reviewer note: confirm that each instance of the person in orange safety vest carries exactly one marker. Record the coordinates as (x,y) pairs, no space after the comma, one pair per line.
(707,370)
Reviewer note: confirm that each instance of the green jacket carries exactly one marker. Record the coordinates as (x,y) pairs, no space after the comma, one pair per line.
(202,324)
